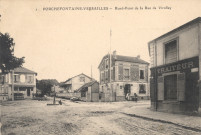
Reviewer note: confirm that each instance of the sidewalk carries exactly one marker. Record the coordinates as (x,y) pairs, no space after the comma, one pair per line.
(143,111)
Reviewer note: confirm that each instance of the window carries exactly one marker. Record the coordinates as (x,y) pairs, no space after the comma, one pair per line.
(126,74)
(82,79)
(83,94)
(141,74)
(22,78)
(106,75)
(106,63)
(112,74)
(142,89)
(102,77)
(15,88)
(30,79)
(171,52)
(170,87)
(15,78)
(2,79)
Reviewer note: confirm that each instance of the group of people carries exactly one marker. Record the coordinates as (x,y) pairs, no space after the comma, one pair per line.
(129,98)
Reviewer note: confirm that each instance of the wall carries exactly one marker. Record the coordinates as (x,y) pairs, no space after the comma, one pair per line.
(95,87)
(188,42)
(76,84)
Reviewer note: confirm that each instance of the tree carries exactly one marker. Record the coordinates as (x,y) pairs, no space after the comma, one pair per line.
(45,85)
(7,59)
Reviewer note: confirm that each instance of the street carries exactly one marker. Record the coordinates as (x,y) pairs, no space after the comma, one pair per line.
(31,117)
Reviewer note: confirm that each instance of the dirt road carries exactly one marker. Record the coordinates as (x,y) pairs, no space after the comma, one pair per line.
(29,117)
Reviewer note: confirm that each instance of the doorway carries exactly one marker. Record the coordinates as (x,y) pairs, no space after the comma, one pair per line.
(127,90)
(28,91)
(192,91)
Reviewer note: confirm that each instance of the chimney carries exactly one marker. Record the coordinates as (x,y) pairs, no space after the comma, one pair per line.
(115,54)
(138,56)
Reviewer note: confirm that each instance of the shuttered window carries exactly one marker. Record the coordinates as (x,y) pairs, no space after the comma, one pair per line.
(170,85)
(16,78)
(181,87)
(102,77)
(106,75)
(171,52)
(160,88)
(141,74)
(120,72)
(126,74)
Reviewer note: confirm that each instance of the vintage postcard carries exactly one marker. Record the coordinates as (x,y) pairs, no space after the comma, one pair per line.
(99,67)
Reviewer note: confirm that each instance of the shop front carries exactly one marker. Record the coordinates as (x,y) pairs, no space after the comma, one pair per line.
(174,87)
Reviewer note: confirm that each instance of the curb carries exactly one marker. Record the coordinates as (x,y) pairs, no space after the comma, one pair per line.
(163,121)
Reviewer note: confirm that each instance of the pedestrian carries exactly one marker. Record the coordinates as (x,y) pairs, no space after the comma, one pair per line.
(60,102)
(135,97)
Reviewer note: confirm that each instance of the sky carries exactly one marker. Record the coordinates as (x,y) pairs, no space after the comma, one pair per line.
(62,44)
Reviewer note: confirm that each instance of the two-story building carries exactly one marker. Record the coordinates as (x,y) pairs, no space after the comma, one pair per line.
(125,75)
(23,81)
(175,69)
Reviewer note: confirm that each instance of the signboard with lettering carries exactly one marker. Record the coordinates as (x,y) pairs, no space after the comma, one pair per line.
(182,65)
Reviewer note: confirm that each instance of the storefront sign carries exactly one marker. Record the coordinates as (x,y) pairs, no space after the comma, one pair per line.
(176,67)
(186,64)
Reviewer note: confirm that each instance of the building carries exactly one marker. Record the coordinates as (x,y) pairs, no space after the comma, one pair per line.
(129,75)
(72,84)
(76,82)
(24,84)
(175,69)
(89,92)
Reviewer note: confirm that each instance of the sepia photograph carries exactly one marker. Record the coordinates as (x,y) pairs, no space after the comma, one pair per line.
(98,67)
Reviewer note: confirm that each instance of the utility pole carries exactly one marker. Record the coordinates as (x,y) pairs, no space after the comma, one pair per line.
(91,73)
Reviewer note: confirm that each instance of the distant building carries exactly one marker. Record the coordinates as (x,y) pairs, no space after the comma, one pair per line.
(73,84)
(24,84)
(129,75)
(175,69)
(76,82)
(89,92)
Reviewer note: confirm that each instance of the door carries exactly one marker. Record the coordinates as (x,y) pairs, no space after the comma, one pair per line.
(28,91)
(192,91)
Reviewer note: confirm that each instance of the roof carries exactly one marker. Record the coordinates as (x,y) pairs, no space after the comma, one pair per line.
(194,21)
(130,59)
(125,59)
(23,70)
(86,85)
(76,76)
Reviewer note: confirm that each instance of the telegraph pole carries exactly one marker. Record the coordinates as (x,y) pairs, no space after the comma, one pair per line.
(91,73)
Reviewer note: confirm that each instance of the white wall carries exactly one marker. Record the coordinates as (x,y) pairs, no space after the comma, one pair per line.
(187,44)
(76,84)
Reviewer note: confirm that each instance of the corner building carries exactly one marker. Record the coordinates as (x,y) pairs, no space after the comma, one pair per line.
(175,69)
